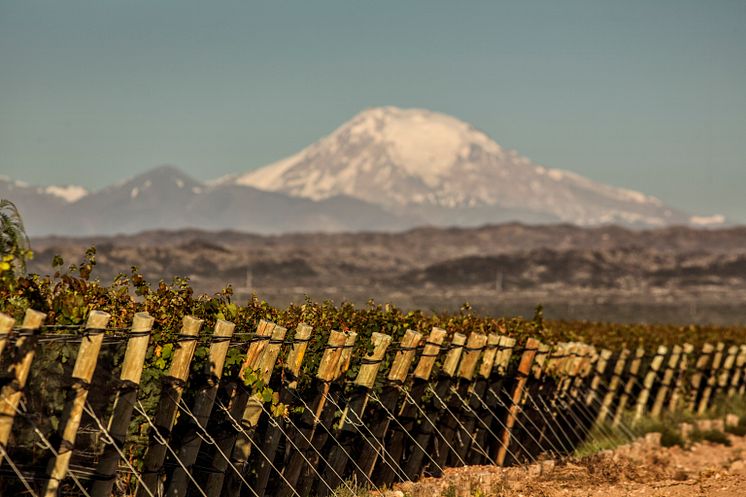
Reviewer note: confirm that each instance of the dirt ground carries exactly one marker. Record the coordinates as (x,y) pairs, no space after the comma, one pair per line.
(643,468)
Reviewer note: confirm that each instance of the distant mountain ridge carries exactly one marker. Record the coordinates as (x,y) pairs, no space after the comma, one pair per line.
(386,169)
(450,173)
(166,198)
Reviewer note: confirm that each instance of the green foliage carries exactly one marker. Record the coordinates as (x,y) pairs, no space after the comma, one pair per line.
(14,244)
(712,436)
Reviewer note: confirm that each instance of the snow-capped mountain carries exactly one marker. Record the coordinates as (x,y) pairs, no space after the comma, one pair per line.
(448,172)
(166,198)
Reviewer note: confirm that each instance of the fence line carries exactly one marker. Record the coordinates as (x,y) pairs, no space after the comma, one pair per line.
(414,407)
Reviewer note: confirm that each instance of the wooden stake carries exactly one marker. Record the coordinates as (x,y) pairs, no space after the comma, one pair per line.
(253,411)
(173,386)
(601,363)
(404,356)
(704,402)
(6,328)
(273,433)
(737,377)
(700,367)
(678,389)
(429,353)
(613,386)
(134,358)
(730,361)
(20,366)
(660,396)
(473,350)
(647,385)
(85,364)
(454,354)
(204,399)
(524,369)
(236,405)
(634,369)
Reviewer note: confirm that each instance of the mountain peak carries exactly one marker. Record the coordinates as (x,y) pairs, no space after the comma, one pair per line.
(450,172)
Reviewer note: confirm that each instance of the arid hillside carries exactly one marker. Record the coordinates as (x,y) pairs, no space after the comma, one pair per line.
(607,273)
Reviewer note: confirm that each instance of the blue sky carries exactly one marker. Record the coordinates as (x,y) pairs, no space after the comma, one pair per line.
(649,95)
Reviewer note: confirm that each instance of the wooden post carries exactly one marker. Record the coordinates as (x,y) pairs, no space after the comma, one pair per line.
(725,375)
(134,358)
(173,386)
(351,440)
(82,374)
(524,369)
(253,411)
(6,328)
(737,377)
(408,413)
(678,389)
(429,354)
(613,386)
(473,350)
(226,438)
(20,366)
(460,431)
(204,399)
(380,420)
(326,413)
(700,367)
(404,356)
(434,410)
(634,369)
(600,370)
(488,357)
(660,396)
(704,402)
(647,385)
(328,366)
(273,434)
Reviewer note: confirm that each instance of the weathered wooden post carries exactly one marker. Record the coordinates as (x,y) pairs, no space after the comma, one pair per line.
(18,371)
(273,432)
(173,386)
(85,364)
(704,402)
(478,420)
(616,378)
(346,433)
(524,369)
(660,396)
(226,438)
(725,374)
(328,370)
(408,413)
(700,367)
(6,328)
(461,435)
(496,398)
(678,389)
(647,385)
(634,369)
(134,358)
(737,377)
(253,412)
(600,370)
(204,399)
(424,435)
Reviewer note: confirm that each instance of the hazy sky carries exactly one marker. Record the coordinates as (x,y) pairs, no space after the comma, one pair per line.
(649,95)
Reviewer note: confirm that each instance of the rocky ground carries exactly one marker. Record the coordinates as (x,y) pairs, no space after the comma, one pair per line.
(673,275)
(643,469)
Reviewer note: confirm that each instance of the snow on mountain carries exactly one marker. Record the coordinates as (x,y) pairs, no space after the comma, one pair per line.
(447,171)
(68,193)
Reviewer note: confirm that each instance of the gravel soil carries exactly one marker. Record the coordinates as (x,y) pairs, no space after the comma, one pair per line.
(642,468)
